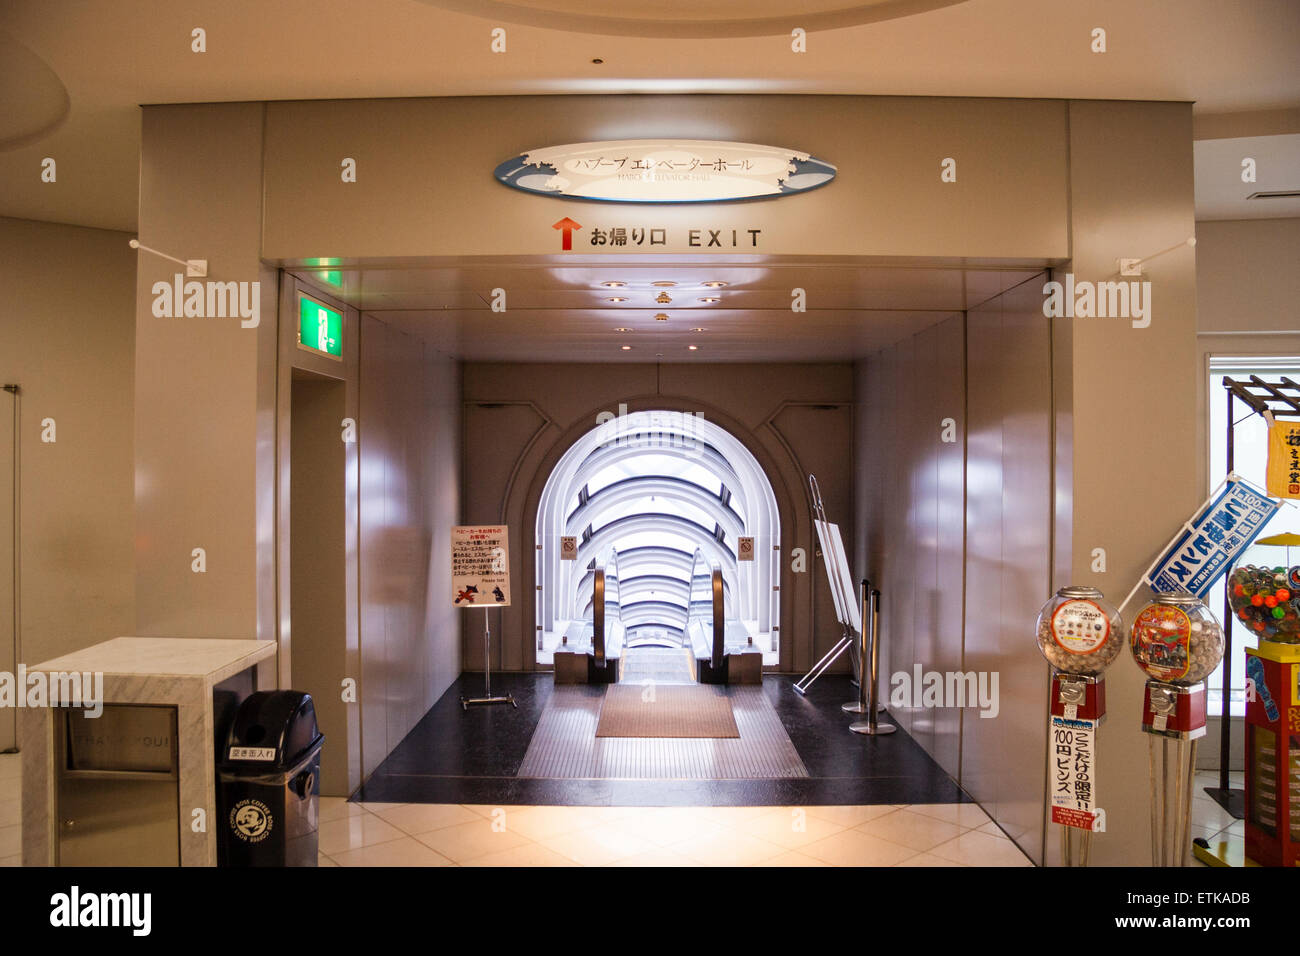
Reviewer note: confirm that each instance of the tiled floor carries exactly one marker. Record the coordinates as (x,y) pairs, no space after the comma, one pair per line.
(383,834)
(454,756)
(395,834)
(1210,820)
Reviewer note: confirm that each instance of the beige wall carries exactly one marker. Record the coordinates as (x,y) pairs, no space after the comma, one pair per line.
(1125,396)
(67,337)
(425,185)
(1247,279)
(205,387)
(1134,396)
(519,419)
(909,489)
(957,536)
(409,437)
(1008,556)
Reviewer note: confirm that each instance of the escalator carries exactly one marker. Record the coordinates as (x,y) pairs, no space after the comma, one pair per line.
(590,650)
(722,646)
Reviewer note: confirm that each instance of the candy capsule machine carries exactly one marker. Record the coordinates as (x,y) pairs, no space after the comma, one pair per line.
(1177,642)
(1079,634)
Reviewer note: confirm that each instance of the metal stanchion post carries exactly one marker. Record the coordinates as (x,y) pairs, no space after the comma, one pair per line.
(859,706)
(871,670)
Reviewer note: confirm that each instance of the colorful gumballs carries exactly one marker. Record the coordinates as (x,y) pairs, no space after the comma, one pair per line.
(1257,600)
(1279,613)
(1270,601)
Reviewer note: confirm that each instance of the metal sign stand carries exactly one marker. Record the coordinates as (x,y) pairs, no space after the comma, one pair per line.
(487,697)
(838,576)
(868,702)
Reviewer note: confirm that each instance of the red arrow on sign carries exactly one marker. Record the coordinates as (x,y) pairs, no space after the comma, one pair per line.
(566,227)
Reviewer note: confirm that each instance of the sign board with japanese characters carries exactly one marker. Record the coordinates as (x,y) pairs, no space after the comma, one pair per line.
(1283,479)
(664,171)
(1073,773)
(744,548)
(480,566)
(569,547)
(1223,528)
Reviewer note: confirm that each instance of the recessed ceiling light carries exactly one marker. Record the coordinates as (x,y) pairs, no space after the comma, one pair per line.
(663,298)
(663,284)
(617,298)
(626,348)
(661,316)
(699,330)
(715,284)
(613,284)
(621,329)
(693,348)
(598,61)
(711,298)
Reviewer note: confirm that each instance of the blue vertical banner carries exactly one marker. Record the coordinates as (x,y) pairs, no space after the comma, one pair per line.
(1209,543)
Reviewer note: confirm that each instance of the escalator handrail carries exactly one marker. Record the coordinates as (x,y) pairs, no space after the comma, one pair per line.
(605,607)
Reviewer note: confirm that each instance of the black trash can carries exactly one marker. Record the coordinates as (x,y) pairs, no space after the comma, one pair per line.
(268,791)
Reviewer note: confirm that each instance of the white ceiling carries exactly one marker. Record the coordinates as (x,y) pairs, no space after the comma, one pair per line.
(73,73)
(562,313)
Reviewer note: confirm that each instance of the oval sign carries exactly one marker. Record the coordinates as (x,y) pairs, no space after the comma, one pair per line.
(664,171)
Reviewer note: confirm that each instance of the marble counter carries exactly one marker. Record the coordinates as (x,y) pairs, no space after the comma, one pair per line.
(176,672)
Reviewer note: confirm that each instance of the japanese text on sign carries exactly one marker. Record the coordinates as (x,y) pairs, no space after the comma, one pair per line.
(1074,773)
(480,566)
(1212,540)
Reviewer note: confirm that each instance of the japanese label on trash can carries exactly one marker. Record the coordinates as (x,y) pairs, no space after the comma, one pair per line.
(252,753)
(480,566)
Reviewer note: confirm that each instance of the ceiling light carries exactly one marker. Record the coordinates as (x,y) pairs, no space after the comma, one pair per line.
(617,298)
(621,329)
(699,330)
(663,284)
(661,316)
(715,284)
(693,348)
(626,348)
(711,298)
(663,298)
(613,284)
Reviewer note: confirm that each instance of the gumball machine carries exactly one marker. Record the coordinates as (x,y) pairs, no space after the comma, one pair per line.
(1178,643)
(1079,634)
(1262,599)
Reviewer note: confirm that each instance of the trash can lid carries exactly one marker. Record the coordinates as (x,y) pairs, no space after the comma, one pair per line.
(272,730)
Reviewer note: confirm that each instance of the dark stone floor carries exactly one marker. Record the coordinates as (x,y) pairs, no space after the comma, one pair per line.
(457,756)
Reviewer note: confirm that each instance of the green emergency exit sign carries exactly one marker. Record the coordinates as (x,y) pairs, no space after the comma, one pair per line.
(319,328)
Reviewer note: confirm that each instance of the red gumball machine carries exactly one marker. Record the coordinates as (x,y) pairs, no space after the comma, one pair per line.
(1273,754)
(1178,643)
(1080,635)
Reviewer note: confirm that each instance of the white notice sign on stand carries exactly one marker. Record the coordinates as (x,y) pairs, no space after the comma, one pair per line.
(480,566)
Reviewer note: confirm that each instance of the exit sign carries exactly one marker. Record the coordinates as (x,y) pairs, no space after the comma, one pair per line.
(320,328)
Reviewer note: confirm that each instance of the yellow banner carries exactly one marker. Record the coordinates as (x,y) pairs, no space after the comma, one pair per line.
(1284,460)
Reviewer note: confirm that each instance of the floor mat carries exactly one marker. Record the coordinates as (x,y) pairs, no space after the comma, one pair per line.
(666,710)
(565,745)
